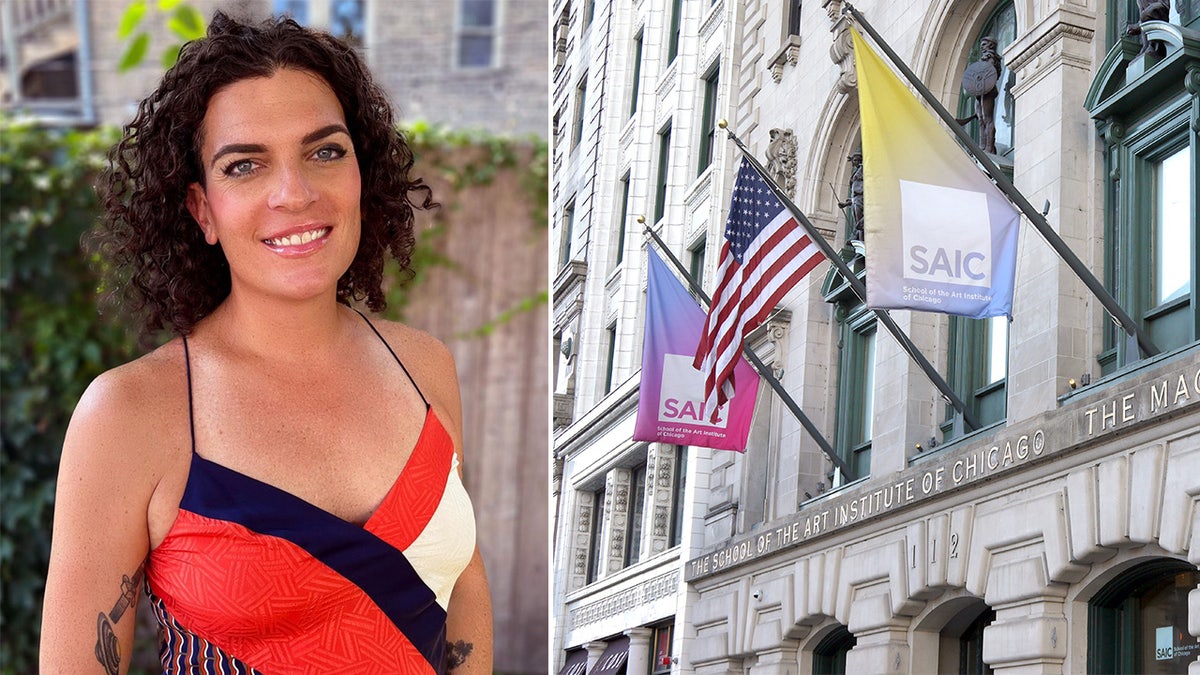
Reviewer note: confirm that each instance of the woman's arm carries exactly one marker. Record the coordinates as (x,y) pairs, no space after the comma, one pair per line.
(99,538)
(469,623)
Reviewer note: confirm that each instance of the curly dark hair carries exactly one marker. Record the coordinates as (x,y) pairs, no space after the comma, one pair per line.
(159,267)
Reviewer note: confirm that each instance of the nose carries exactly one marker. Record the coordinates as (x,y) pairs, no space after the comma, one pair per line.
(292,191)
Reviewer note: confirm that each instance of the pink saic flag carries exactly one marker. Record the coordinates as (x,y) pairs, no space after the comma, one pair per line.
(671,406)
(764,255)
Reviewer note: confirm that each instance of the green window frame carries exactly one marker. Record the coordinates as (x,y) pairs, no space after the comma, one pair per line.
(1145,116)
(829,656)
(696,255)
(708,120)
(856,388)
(673,35)
(564,242)
(580,109)
(638,43)
(637,506)
(664,166)
(977,370)
(610,361)
(594,542)
(678,492)
(1125,617)
(622,220)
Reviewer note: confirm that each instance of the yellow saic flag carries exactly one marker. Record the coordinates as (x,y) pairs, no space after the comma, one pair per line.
(940,236)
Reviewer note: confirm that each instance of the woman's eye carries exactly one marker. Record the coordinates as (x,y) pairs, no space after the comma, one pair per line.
(241,167)
(329,153)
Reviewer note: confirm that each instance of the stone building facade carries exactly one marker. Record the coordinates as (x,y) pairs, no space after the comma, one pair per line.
(464,64)
(1063,535)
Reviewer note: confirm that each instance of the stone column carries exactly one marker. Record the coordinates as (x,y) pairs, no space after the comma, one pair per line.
(1028,636)
(639,650)
(660,485)
(781,659)
(881,650)
(594,650)
(616,521)
(580,539)
(1053,337)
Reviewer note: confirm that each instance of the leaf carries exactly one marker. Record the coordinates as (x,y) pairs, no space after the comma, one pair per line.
(187,23)
(134,53)
(170,55)
(131,18)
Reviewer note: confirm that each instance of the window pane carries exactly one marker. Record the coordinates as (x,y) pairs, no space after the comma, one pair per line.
(868,403)
(997,349)
(637,505)
(474,51)
(297,9)
(1174,233)
(346,20)
(478,13)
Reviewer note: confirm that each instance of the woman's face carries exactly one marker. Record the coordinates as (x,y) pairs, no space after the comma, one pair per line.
(282,187)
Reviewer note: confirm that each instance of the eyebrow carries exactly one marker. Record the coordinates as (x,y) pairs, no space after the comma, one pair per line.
(232,148)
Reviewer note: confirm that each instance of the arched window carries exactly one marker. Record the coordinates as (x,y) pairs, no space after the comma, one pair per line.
(1138,623)
(829,656)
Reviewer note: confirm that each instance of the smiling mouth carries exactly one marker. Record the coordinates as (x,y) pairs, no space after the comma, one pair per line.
(299,239)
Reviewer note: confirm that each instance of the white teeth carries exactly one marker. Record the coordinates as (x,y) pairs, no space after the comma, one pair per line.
(298,239)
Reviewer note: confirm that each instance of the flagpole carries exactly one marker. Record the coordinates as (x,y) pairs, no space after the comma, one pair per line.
(763,371)
(1124,321)
(859,289)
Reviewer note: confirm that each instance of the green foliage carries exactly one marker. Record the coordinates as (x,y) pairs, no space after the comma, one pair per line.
(52,347)
(53,343)
(183,20)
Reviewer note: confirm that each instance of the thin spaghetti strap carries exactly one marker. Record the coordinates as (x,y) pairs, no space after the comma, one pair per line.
(187,362)
(393,353)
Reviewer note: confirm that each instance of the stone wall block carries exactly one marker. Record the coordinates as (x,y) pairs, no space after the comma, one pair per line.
(1182,486)
(771,613)
(1147,466)
(718,617)
(885,651)
(1113,494)
(1034,640)
(1083,511)
(874,587)
(962,522)
(1009,528)
(916,536)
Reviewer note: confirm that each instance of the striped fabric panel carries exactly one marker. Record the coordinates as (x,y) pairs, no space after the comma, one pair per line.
(182,653)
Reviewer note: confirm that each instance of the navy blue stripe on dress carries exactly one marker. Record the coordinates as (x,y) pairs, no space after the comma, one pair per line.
(376,567)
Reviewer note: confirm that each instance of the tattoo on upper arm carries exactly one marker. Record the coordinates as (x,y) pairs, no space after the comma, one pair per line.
(108,649)
(457,653)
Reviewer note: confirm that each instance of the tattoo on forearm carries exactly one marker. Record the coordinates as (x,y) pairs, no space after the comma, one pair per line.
(108,650)
(457,653)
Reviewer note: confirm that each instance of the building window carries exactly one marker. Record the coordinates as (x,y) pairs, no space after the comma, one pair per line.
(589,12)
(580,102)
(1001,26)
(564,242)
(346,21)
(621,220)
(708,123)
(638,42)
(610,362)
(1138,623)
(297,9)
(1151,219)
(664,163)
(977,370)
(637,506)
(793,16)
(476,33)
(560,37)
(856,389)
(1122,13)
(673,35)
(678,491)
(696,261)
(595,542)
(660,648)
(829,656)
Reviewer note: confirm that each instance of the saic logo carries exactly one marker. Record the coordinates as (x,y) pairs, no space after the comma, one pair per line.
(947,235)
(682,396)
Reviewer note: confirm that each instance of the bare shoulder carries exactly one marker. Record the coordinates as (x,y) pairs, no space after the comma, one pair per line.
(431,364)
(127,414)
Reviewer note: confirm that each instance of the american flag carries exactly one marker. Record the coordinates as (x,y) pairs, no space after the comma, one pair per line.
(765,253)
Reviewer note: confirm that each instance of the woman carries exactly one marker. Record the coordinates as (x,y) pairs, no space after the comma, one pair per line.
(284,474)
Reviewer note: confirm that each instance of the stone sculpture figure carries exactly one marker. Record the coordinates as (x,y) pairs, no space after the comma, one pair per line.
(781,160)
(1150,10)
(979,81)
(855,200)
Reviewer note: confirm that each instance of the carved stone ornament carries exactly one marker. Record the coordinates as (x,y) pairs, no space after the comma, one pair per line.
(841,51)
(781,160)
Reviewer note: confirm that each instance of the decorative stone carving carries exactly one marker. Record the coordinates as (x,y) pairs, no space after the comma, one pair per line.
(616,519)
(581,539)
(841,51)
(788,54)
(660,483)
(781,160)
